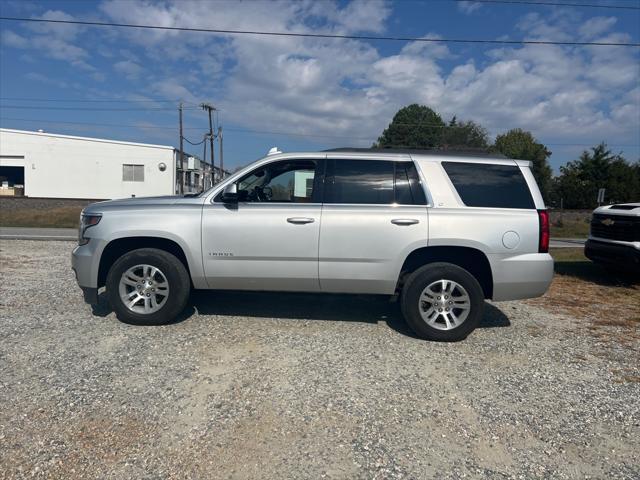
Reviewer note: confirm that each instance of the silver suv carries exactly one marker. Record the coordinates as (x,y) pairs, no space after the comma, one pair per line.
(444,232)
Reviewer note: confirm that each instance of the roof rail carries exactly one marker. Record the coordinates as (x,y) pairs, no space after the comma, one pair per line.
(483,153)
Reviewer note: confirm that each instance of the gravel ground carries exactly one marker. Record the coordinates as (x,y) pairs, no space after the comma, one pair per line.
(253,385)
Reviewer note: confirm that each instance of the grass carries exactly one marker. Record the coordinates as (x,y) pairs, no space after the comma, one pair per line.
(598,297)
(60,217)
(570,229)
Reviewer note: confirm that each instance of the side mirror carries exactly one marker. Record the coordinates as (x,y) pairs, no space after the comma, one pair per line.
(230,193)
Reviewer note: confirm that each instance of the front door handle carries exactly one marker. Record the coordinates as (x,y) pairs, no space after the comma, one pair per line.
(300,220)
(404,221)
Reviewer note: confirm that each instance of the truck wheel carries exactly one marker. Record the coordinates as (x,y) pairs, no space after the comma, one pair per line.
(148,287)
(442,302)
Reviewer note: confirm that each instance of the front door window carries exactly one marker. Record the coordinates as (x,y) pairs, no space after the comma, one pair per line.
(281,182)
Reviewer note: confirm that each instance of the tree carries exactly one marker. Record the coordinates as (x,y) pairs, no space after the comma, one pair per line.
(414,126)
(465,135)
(580,180)
(522,145)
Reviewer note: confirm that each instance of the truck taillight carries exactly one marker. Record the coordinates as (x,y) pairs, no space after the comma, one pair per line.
(543,242)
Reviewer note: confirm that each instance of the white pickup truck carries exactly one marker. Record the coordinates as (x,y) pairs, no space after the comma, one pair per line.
(614,239)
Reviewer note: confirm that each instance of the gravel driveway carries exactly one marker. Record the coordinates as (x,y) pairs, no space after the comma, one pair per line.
(252,385)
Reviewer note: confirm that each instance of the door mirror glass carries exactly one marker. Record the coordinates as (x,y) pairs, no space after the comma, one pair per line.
(230,194)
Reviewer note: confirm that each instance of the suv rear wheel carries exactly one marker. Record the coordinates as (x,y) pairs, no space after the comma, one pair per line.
(442,301)
(148,287)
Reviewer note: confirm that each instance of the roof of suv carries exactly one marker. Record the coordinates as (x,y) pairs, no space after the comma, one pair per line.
(433,152)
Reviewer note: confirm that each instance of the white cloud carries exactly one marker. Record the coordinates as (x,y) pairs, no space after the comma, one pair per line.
(128,68)
(350,88)
(596,26)
(38,77)
(57,41)
(173,88)
(427,49)
(469,7)
(12,39)
(558,25)
(361,16)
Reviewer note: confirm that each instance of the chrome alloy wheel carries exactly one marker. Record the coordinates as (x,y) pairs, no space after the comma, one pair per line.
(444,304)
(144,289)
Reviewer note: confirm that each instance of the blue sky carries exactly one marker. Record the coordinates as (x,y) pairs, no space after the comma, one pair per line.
(310,94)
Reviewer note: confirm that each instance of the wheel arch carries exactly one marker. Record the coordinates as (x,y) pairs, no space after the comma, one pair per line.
(471,259)
(119,246)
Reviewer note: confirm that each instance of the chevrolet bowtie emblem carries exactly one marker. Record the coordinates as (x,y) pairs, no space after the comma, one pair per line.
(608,222)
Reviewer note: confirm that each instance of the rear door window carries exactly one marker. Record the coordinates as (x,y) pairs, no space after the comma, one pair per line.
(487,185)
(408,187)
(375,182)
(360,182)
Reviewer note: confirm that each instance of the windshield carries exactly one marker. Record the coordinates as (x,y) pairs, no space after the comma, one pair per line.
(205,192)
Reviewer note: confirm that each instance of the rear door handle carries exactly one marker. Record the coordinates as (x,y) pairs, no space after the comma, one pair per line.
(404,221)
(300,220)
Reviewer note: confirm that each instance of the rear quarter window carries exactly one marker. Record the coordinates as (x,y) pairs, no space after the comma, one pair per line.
(487,185)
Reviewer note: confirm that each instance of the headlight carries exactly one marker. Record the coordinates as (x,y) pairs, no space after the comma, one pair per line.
(86,221)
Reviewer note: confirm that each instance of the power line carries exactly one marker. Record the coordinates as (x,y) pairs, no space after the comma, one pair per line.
(271,132)
(95,124)
(550,4)
(427,125)
(105,100)
(39,107)
(318,35)
(193,143)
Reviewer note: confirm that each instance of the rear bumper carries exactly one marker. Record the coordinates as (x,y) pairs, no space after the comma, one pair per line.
(626,256)
(521,276)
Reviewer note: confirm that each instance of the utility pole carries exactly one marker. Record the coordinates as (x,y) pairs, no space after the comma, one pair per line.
(204,159)
(210,108)
(221,158)
(181,152)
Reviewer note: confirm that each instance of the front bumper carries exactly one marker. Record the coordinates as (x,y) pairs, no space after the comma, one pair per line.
(626,256)
(90,295)
(85,265)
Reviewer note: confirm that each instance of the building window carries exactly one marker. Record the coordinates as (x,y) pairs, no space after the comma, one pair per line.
(132,173)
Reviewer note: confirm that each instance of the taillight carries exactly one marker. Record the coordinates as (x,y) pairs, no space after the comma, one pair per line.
(543,242)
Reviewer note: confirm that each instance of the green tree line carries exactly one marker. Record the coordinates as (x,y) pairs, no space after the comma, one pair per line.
(420,127)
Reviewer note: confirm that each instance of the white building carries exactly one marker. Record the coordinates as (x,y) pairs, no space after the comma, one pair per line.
(60,166)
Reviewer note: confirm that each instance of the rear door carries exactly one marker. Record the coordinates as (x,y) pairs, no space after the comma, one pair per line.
(374,214)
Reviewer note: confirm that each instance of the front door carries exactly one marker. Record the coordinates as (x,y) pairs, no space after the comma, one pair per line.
(269,240)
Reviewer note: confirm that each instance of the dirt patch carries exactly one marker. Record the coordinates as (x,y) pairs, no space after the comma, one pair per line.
(83,447)
(606,303)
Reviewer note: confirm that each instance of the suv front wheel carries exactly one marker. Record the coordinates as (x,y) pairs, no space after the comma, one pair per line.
(442,301)
(148,287)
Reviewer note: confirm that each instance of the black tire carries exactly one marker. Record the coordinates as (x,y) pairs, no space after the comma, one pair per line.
(176,276)
(421,279)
